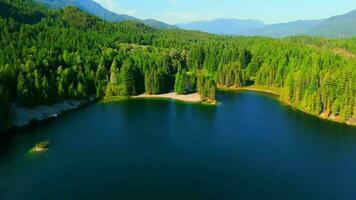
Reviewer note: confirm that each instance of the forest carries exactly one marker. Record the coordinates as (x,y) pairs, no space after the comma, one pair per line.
(49,55)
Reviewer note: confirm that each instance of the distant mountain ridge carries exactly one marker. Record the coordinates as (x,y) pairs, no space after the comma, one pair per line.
(223,26)
(334,27)
(283,29)
(337,26)
(96,9)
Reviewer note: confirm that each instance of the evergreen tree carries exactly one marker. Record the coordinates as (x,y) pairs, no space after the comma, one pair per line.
(50,55)
(101,78)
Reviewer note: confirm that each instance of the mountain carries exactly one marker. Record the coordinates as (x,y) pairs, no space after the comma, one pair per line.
(158,24)
(283,29)
(338,26)
(334,27)
(223,26)
(97,10)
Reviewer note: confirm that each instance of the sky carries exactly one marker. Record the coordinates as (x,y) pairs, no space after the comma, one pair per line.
(268,11)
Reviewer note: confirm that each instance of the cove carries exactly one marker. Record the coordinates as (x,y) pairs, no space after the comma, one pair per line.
(249,147)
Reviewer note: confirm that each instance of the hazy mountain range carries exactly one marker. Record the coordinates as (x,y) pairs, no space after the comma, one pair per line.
(223,26)
(337,26)
(97,10)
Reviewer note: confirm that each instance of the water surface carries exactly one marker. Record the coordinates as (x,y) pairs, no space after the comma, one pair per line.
(249,147)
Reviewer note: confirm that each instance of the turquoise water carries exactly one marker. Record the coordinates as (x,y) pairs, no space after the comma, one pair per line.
(249,147)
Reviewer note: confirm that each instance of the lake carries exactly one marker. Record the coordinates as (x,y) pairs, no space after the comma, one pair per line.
(249,147)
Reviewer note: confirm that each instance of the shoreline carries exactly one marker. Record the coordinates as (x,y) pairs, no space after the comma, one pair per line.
(194,98)
(274,91)
(41,114)
(251,88)
(189,98)
(22,118)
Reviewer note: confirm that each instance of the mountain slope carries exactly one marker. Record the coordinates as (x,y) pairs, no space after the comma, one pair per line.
(283,29)
(223,26)
(334,27)
(158,24)
(97,10)
(338,26)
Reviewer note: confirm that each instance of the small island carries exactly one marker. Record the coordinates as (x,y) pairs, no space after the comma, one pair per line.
(40,147)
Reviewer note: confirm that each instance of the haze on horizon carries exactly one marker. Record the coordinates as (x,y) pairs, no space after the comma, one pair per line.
(268,11)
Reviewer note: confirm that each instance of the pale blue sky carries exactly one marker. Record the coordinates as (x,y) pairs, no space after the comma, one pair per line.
(269,11)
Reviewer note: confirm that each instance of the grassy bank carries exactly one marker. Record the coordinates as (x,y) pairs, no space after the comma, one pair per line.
(257,88)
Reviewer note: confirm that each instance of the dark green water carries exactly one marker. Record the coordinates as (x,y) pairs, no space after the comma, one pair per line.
(249,147)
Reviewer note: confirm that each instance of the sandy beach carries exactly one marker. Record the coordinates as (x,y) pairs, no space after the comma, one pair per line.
(193,98)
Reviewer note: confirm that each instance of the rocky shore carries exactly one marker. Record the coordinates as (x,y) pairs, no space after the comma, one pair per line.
(21,116)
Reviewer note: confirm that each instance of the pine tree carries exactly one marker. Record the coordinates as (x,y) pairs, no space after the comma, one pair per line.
(101,78)
(72,93)
(101,73)
(113,85)
(128,79)
(81,92)
(180,83)
(24,96)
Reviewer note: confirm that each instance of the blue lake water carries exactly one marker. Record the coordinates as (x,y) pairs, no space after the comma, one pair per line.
(249,147)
